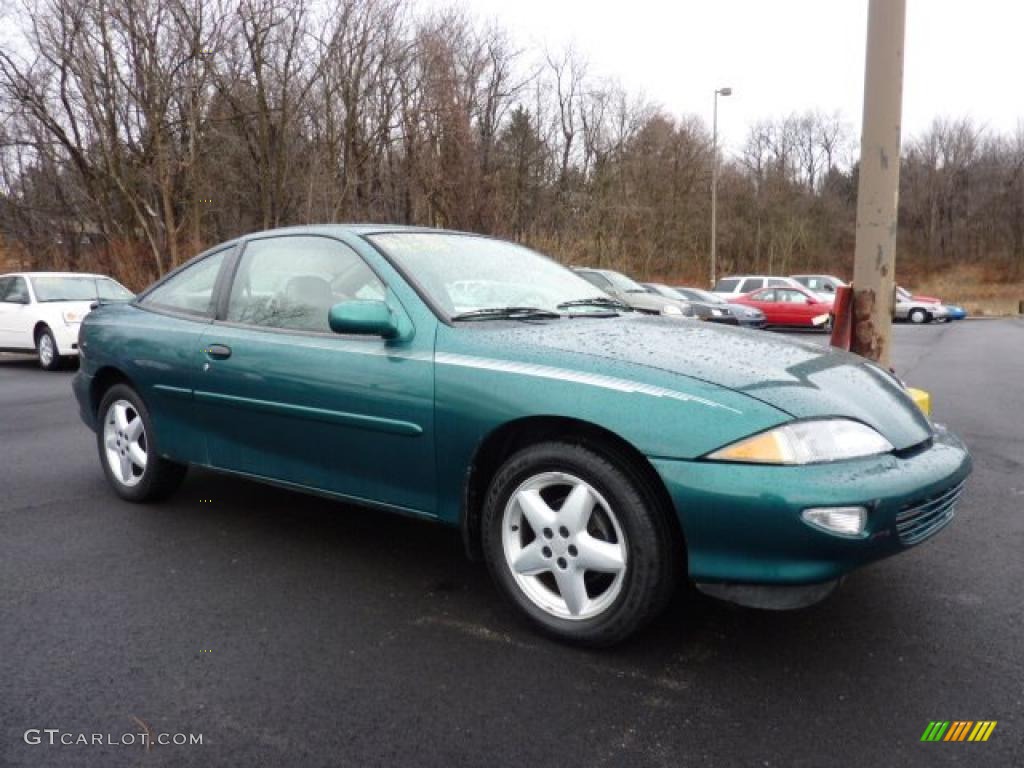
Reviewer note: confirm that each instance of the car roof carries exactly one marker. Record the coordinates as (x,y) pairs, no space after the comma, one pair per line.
(53,274)
(762,277)
(361,229)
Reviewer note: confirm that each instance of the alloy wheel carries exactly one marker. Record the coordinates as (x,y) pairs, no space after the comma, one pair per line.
(564,546)
(46,350)
(124,438)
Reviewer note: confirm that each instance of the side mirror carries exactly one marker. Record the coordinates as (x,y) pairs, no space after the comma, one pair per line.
(369,318)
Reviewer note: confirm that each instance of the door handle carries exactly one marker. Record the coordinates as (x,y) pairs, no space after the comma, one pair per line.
(218,351)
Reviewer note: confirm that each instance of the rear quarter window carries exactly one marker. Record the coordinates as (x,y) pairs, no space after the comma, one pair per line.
(728,285)
(190,290)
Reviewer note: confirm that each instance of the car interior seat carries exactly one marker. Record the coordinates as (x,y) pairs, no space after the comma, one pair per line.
(307,301)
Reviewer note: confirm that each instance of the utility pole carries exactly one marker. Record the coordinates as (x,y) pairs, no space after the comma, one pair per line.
(878,188)
(714,182)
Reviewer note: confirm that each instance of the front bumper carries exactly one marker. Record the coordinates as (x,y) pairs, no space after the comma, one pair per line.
(742,521)
(722,319)
(66,337)
(81,385)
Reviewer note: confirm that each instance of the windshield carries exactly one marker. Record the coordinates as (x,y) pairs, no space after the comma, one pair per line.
(706,296)
(85,288)
(670,292)
(464,273)
(623,283)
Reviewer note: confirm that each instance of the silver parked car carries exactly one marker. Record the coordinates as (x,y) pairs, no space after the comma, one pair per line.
(917,309)
(631,293)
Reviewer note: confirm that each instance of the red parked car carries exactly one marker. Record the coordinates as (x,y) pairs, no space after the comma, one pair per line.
(790,306)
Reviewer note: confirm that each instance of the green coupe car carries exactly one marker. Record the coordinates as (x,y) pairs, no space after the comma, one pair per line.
(592,455)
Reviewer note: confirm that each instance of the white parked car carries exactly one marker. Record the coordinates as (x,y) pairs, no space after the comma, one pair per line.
(918,309)
(823,285)
(42,311)
(738,285)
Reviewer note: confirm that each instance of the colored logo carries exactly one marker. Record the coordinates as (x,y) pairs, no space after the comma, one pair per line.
(958,730)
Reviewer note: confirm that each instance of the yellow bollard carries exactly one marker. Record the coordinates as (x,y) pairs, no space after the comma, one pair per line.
(922,399)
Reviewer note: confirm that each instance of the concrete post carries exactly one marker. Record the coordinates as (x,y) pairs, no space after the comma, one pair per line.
(878,191)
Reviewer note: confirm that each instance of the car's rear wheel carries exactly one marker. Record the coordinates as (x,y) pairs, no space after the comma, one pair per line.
(577,543)
(918,316)
(46,350)
(127,447)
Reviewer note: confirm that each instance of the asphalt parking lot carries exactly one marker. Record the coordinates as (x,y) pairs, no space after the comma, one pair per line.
(290,630)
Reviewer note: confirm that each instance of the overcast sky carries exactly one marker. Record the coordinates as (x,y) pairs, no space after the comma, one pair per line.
(964,57)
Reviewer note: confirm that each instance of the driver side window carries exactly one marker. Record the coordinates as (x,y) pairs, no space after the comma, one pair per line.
(14,291)
(791,297)
(291,282)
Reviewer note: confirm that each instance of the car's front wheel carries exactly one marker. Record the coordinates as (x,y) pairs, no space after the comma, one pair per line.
(126,442)
(918,316)
(46,350)
(576,541)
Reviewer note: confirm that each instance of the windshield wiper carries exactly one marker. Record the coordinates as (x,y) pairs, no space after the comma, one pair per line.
(595,301)
(515,313)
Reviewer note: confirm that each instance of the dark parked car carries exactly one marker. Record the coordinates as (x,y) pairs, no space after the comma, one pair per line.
(634,295)
(748,317)
(702,310)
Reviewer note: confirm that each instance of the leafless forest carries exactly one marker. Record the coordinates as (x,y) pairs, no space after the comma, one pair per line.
(133,133)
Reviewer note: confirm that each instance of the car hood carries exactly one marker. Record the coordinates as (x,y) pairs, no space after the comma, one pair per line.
(649,302)
(926,299)
(800,378)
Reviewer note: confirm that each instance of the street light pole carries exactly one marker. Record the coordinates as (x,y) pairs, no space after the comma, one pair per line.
(714,181)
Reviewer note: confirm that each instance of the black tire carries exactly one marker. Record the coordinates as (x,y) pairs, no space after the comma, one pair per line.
(918,316)
(161,477)
(652,556)
(45,337)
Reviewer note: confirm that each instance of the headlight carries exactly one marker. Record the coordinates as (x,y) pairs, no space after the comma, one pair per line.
(807,442)
(70,318)
(716,312)
(671,309)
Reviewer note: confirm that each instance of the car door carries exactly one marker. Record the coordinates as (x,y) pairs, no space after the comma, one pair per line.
(765,301)
(5,311)
(285,398)
(794,307)
(16,318)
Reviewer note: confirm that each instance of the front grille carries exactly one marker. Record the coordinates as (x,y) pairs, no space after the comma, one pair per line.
(916,522)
